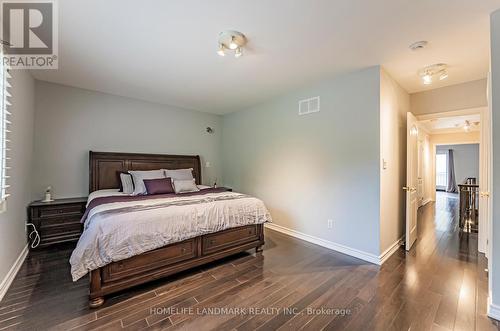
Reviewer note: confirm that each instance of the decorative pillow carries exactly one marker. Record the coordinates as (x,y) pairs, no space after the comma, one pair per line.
(159,186)
(183,186)
(118,175)
(126,183)
(179,174)
(139,177)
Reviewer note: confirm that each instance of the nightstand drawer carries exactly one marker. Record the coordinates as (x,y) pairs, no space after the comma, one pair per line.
(59,210)
(52,240)
(60,220)
(60,229)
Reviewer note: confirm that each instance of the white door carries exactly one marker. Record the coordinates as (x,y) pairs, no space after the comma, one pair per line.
(420,173)
(411,180)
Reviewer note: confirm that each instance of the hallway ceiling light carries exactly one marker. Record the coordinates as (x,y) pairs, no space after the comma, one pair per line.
(467,126)
(427,74)
(231,40)
(427,79)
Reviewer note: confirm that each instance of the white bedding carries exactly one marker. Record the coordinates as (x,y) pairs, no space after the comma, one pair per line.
(119,230)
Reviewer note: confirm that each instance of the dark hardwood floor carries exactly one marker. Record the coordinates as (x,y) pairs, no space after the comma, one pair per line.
(439,285)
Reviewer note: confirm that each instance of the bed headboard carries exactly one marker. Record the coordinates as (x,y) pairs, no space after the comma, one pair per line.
(104,166)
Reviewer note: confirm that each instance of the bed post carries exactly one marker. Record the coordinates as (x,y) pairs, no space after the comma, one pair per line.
(260,229)
(95,300)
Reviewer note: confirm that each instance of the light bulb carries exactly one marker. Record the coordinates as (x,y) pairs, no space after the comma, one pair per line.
(232,44)
(238,52)
(467,126)
(427,79)
(221,50)
(443,75)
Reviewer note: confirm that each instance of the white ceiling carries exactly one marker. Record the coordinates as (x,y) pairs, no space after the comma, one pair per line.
(452,124)
(165,51)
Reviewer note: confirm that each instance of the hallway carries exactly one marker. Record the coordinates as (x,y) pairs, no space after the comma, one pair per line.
(449,273)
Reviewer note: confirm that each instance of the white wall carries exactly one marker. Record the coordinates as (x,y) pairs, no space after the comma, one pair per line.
(466,160)
(449,98)
(316,167)
(71,121)
(13,220)
(494,309)
(394,104)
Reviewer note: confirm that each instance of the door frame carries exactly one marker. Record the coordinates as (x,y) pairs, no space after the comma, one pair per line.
(484,164)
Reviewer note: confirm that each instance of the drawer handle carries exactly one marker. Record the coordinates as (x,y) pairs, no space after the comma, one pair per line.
(250,232)
(183,250)
(212,241)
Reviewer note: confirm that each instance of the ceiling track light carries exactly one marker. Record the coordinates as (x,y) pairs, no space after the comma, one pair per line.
(231,41)
(443,74)
(427,74)
(233,45)
(427,79)
(221,50)
(238,52)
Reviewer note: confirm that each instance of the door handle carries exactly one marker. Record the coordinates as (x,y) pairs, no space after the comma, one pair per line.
(406,188)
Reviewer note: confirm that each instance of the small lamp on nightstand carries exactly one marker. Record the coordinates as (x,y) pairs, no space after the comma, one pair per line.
(48,194)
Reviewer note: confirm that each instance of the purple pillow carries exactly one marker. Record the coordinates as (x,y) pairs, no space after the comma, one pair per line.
(159,186)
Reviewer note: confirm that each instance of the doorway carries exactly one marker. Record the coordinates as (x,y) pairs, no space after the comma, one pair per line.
(434,142)
(441,171)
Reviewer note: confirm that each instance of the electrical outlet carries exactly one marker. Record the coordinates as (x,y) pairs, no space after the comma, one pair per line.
(330,223)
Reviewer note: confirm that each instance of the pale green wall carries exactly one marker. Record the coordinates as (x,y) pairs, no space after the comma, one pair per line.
(316,167)
(71,121)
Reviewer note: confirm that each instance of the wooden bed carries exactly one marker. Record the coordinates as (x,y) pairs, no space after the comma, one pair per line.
(170,259)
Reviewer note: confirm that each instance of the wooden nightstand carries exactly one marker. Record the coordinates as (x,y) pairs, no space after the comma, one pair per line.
(57,221)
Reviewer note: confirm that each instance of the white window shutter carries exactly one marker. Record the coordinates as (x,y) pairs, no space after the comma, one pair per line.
(4,131)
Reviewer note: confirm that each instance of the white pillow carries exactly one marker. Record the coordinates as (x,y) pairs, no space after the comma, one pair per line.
(179,174)
(127,183)
(187,185)
(140,176)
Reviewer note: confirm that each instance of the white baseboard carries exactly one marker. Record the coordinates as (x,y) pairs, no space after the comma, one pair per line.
(9,278)
(326,243)
(493,310)
(391,250)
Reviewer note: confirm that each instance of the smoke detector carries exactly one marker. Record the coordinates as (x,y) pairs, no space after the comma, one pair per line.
(418,45)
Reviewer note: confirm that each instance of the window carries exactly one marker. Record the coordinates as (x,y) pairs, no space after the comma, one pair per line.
(4,131)
(441,171)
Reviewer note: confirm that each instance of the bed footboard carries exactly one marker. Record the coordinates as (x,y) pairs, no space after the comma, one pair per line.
(172,259)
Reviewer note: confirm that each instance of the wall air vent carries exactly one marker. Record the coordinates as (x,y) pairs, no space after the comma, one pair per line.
(308,106)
